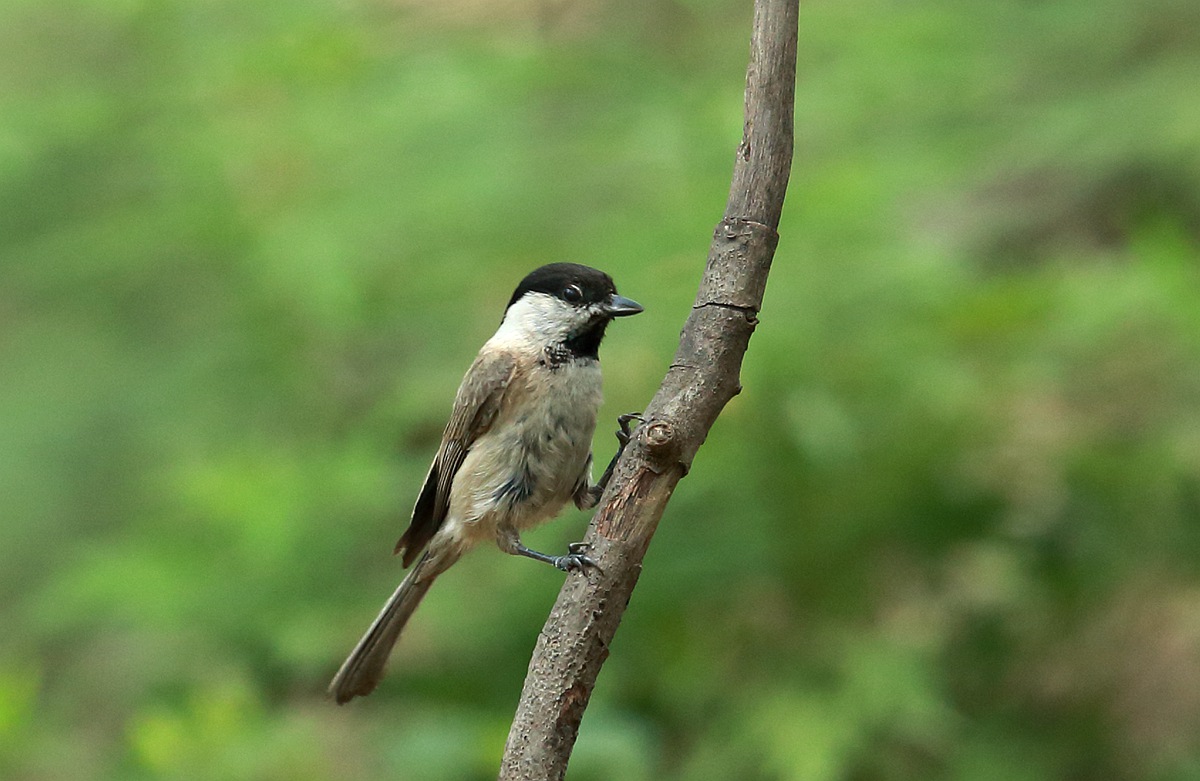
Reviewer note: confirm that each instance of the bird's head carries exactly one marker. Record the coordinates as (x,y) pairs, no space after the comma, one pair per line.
(565,304)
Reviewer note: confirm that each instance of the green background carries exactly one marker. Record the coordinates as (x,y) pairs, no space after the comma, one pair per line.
(949,530)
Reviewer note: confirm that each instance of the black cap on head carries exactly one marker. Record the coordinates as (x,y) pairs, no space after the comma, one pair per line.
(556,279)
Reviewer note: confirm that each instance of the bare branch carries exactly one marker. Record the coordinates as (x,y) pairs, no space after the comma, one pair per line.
(702,378)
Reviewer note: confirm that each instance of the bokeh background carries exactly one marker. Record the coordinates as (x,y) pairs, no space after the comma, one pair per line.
(950,529)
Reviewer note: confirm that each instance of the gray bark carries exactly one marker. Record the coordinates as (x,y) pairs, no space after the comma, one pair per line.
(702,378)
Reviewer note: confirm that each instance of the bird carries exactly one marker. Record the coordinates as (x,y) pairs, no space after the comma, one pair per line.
(517,448)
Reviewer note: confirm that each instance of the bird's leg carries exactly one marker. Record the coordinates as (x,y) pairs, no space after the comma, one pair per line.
(587,497)
(575,560)
(624,435)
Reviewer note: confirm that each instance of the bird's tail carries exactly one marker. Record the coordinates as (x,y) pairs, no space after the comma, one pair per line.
(361,671)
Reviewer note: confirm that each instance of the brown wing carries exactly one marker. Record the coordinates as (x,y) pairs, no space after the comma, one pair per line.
(475,408)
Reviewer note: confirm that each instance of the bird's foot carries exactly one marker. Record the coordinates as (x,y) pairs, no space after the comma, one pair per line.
(576,559)
(624,435)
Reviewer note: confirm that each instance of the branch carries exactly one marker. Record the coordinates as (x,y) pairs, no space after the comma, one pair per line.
(702,378)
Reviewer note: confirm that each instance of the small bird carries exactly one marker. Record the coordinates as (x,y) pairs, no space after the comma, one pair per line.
(517,448)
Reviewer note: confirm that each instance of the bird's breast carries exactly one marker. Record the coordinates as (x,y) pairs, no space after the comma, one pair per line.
(526,467)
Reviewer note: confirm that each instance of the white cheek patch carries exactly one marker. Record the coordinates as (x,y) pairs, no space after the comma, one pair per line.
(539,317)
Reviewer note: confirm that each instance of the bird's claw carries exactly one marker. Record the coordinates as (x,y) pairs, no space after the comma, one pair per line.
(624,435)
(576,560)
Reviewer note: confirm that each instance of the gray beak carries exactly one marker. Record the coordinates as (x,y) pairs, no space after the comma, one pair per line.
(620,306)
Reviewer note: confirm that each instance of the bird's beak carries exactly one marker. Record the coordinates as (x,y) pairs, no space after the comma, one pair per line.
(620,306)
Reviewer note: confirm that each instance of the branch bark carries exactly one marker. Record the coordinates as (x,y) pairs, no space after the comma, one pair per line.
(702,378)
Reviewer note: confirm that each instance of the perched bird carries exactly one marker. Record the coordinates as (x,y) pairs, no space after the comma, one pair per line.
(516,450)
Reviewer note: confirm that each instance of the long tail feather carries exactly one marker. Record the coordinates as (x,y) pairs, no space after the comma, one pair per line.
(363,669)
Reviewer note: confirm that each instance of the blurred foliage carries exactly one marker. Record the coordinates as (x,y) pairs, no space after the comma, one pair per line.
(950,530)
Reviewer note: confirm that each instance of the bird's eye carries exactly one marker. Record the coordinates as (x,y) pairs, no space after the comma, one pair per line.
(572,294)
